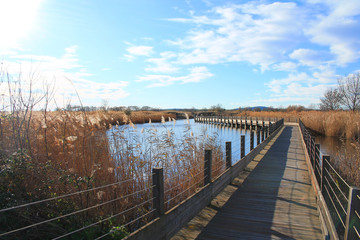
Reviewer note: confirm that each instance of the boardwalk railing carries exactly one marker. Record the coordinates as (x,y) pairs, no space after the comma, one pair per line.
(237,122)
(342,201)
(165,207)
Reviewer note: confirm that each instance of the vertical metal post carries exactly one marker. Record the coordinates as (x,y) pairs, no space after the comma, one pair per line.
(323,169)
(262,133)
(251,140)
(312,140)
(158,191)
(317,153)
(207,167)
(242,146)
(257,137)
(228,154)
(352,219)
(266,132)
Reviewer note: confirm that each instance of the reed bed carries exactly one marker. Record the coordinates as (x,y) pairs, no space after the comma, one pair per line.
(348,164)
(345,124)
(50,154)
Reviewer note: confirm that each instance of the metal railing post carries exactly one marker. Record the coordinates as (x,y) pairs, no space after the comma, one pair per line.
(251,140)
(228,154)
(323,169)
(352,217)
(158,191)
(266,132)
(242,146)
(257,137)
(207,167)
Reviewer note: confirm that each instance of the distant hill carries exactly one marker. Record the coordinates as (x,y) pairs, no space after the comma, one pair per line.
(262,108)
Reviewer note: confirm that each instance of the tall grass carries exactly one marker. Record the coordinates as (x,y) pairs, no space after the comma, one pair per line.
(46,154)
(345,124)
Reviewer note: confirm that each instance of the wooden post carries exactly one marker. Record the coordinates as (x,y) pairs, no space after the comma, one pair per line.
(251,140)
(207,167)
(228,154)
(352,219)
(323,169)
(242,146)
(257,137)
(158,191)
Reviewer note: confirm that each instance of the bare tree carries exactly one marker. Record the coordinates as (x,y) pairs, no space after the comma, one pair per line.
(218,109)
(349,88)
(104,105)
(331,100)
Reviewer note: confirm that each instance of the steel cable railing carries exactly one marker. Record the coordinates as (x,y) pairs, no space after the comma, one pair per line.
(66,195)
(340,198)
(71,214)
(187,189)
(106,219)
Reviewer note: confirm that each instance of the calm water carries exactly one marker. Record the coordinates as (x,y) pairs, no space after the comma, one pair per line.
(333,145)
(329,145)
(183,127)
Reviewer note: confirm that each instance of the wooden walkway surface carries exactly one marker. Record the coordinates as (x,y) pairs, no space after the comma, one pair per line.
(273,199)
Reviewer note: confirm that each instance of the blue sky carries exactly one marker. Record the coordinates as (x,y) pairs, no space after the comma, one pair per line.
(173,53)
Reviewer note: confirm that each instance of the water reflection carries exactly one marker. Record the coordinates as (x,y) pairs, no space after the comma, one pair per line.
(181,127)
(333,146)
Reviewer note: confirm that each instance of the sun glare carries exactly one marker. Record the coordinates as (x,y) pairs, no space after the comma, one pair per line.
(17,18)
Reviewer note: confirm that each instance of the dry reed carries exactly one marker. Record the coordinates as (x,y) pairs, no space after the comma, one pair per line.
(67,152)
(344,124)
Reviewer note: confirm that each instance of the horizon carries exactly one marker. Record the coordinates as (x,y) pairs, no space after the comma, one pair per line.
(183,54)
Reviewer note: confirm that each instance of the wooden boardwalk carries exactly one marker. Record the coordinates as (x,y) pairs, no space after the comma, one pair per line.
(272,199)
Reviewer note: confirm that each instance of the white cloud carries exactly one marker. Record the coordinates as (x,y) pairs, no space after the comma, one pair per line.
(277,85)
(301,85)
(261,34)
(338,28)
(285,66)
(164,64)
(310,57)
(270,35)
(64,74)
(196,74)
(135,51)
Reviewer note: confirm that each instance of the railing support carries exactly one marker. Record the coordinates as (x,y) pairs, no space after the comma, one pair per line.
(242,146)
(207,167)
(266,132)
(158,191)
(257,137)
(228,154)
(323,169)
(352,216)
(317,153)
(251,140)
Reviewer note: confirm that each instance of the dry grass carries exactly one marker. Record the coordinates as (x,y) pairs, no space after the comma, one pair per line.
(344,124)
(47,154)
(348,164)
